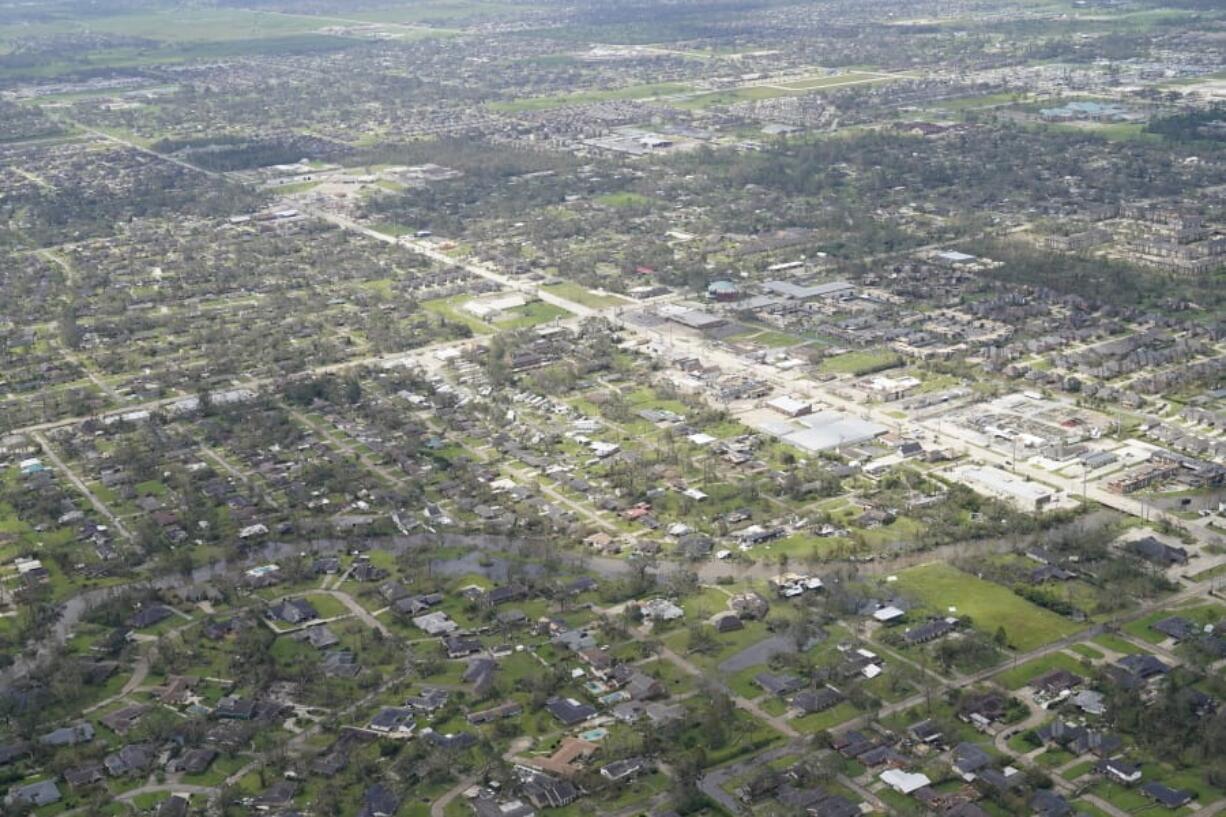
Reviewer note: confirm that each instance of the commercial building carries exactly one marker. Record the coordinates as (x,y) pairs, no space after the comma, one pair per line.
(1028,496)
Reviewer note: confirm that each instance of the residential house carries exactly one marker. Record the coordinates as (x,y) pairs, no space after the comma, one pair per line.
(135,758)
(569,711)
(379,801)
(1166,796)
(292,611)
(1157,553)
(42,793)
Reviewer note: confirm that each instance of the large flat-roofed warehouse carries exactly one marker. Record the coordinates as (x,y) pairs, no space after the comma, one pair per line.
(692,318)
(789,406)
(835,289)
(824,430)
(1028,496)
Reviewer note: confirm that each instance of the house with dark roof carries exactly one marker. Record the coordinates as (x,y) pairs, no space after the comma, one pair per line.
(778,684)
(627,769)
(1176,627)
(451,741)
(379,801)
(12,752)
(1046,803)
(1165,795)
(929,631)
(80,777)
(235,709)
(393,719)
(1050,573)
(643,687)
(569,711)
(430,699)
(365,571)
(173,806)
(926,732)
(278,794)
(149,616)
(459,646)
(881,756)
(320,637)
(82,732)
(292,611)
(1157,553)
(340,664)
(326,565)
(969,758)
(852,743)
(480,673)
(549,792)
(583,584)
(506,593)
(42,793)
(135,758)
(817,700)
(193,761)
(1056,682)
(1143,667)
(983,710)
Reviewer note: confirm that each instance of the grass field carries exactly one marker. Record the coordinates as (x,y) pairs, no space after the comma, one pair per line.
(624,198)
(858,362)
(940,586)
(732,96)
(180,25)
(449,308)
(1143,629)
(1017,677)
(544,103)
(772,91)
(433,11)
(814,83)
(585,296)
(767,337)
(532,314)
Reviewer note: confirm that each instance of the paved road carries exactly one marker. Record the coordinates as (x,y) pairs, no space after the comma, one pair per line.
(81,487)
(439,806)
(779,724)
(711,784)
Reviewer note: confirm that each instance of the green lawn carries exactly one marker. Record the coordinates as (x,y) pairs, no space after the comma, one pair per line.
(1017,677)
(327,606)
(1143,629)
(814,83)
(940,586)
(449,308)
(1116,644)
(532,314)
(582,295)
(624,198)
(543,103)
(1074,772)
(1087,651)
(832,717)
(859,362)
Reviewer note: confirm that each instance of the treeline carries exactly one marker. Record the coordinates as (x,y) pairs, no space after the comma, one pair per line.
(228,152)
(1192,126)
(1099,279)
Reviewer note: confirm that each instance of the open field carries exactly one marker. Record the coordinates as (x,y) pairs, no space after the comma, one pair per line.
(544,103)
(858,362)
(941,587)
(584,296)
